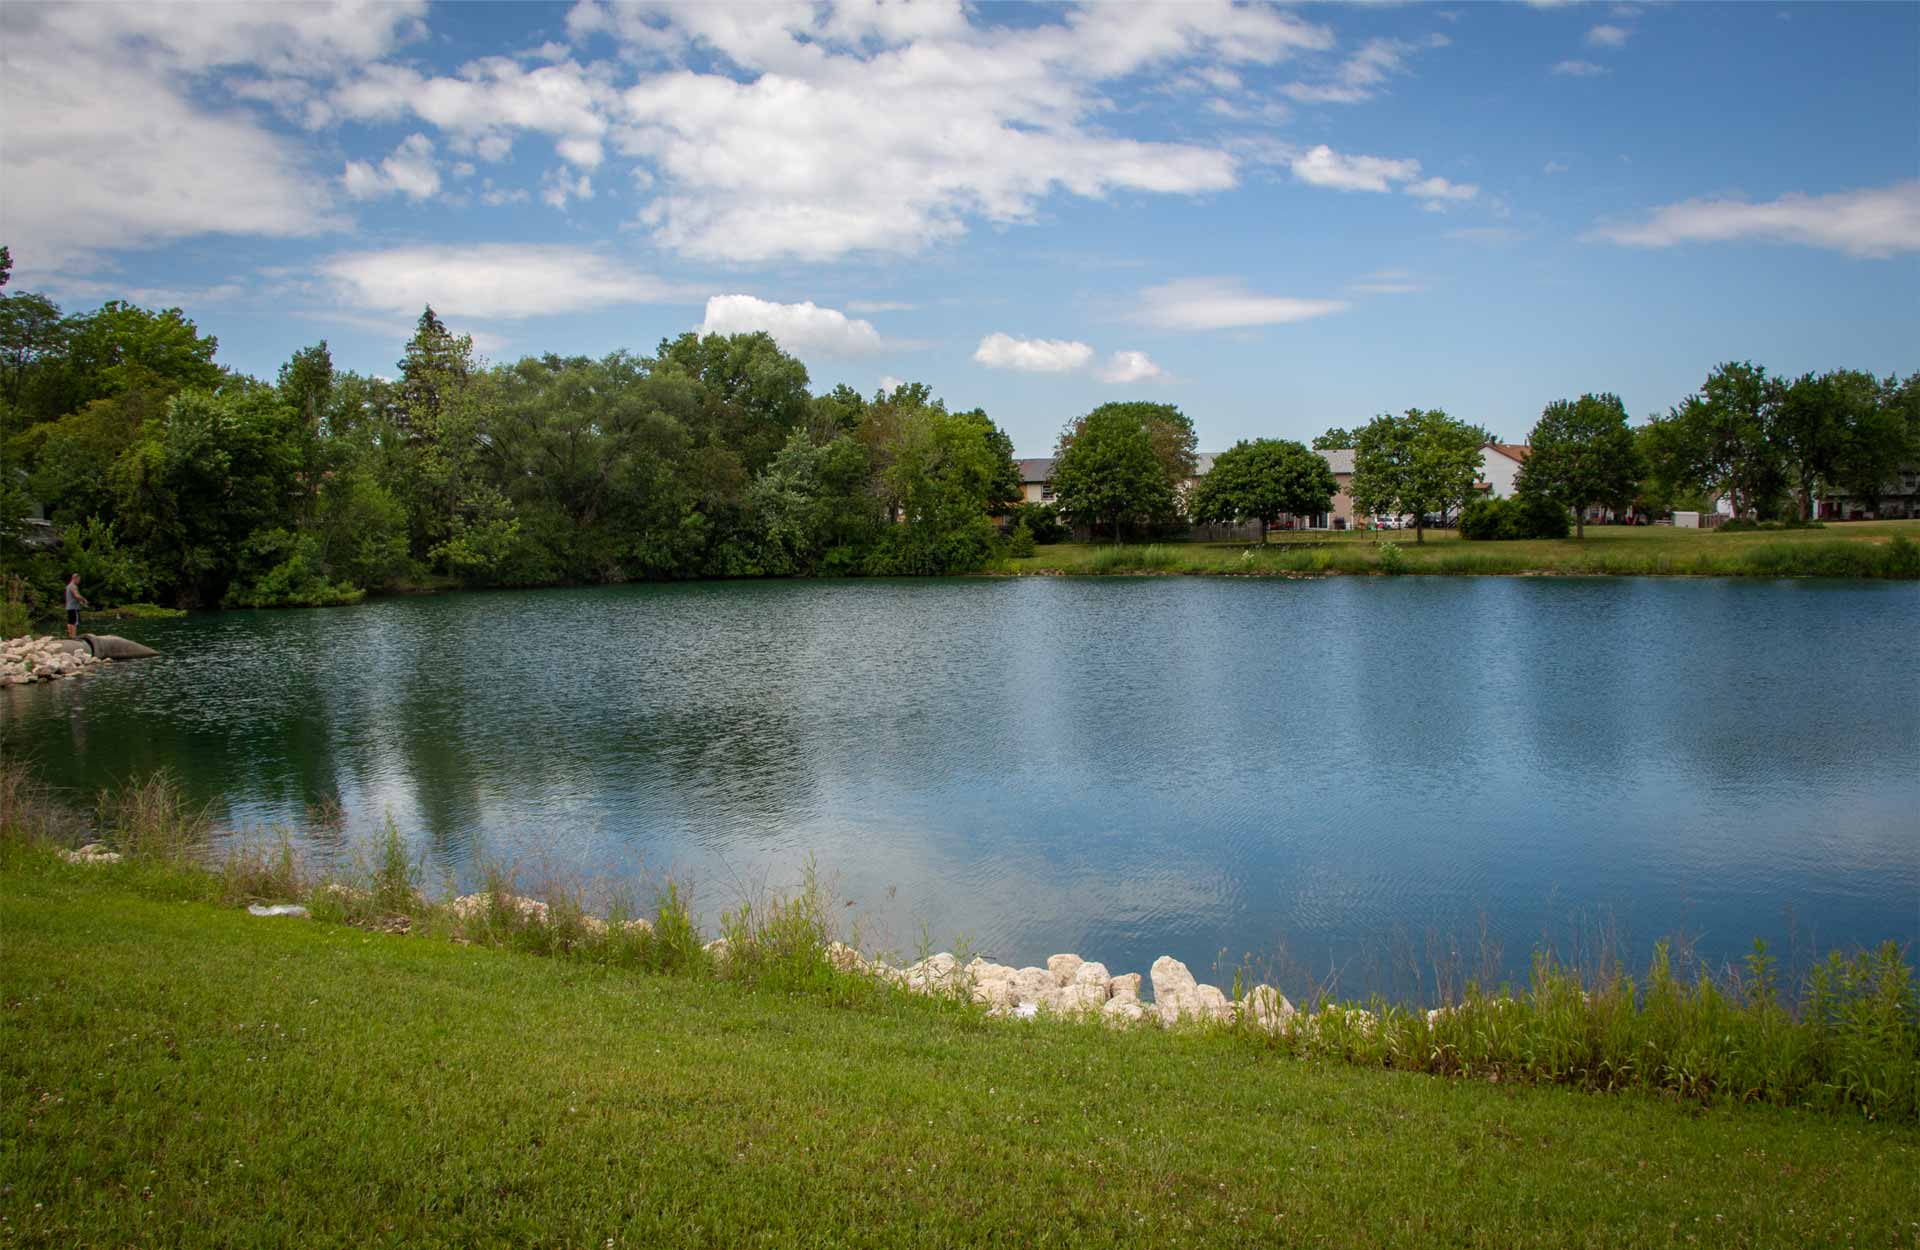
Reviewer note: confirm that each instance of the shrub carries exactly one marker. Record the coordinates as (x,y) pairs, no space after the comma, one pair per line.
(1529,516)
(1042,519)
(282,569)
(1020,542)
(1483,519)
(1393,559)
(1536,517)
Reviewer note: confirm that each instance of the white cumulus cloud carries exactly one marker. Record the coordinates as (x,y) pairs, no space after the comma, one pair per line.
(490,280)
(113,139)
(799,328)
(1608,36)
(1877,222)
(1129,367)
(1321,166)
(1224,303)
(811,131)
(1578,69)
(410,171)
(1003,351)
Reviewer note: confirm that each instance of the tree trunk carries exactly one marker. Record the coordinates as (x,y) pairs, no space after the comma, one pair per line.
(1806,498)
(1419,527)
(1580,523)
(1264,523)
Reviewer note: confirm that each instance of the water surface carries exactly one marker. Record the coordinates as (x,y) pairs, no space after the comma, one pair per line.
(1311,772)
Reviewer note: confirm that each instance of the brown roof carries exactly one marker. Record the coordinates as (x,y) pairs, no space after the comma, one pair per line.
(1517,452)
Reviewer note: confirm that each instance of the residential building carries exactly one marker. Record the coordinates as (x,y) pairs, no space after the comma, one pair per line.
(1500,468)
(1898,498)
(1036,479)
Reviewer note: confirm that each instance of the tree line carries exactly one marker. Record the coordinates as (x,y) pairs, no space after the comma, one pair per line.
(175,480)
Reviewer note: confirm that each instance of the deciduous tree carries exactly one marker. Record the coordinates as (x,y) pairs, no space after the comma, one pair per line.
(1108,470)
(1263,480)
(1583,453)
(1421,462)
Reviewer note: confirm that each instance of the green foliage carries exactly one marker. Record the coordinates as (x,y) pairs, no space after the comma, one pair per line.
(1717,441)
(1169,432)
(1419,463)
(1334,439)
(1108,470)
(1020,544)
(110,574)
(198,482)
(1263,480)
(1532,516)
(1042,521)
(282,569)
(1393,559)
(1582,453)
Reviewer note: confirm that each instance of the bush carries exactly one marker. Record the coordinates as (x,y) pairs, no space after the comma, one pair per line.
(1042,520)
(1507,519)
(1535,517)
(1483,519)
(1020,542)
(281,569)
(1393,560)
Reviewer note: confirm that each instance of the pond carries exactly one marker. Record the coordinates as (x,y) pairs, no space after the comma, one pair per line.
(1319,776)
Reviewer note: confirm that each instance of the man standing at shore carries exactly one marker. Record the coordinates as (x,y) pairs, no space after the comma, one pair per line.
(75,601)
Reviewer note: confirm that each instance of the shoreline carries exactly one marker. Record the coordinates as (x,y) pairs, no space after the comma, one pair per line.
(1756,1032)
(172,1053)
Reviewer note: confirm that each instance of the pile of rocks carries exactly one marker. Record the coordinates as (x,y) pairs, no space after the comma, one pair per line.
(1070,985)
(28,659)
(91,853)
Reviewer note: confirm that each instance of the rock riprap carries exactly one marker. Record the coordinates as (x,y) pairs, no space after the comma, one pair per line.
(26,660)
(1072,986)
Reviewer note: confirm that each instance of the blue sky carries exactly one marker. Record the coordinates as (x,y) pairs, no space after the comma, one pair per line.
(1277,218)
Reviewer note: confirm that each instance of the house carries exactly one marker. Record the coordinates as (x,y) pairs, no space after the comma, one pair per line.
(1500,468)
(1036,479)
(1898,498)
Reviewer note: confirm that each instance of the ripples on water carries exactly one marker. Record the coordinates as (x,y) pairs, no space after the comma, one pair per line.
(1120,767)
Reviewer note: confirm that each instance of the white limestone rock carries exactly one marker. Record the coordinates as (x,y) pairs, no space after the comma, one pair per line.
(91,853)
(1063,968)
(1174,990)
(1266,1009)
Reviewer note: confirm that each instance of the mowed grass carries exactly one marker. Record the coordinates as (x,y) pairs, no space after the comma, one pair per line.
(176,1073)
(1851,549)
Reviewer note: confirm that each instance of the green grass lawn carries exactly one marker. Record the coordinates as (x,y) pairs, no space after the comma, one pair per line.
(1838,549)
(176,1073)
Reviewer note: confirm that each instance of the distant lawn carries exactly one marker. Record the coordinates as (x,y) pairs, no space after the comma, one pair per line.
(1841,549)
(174,1073)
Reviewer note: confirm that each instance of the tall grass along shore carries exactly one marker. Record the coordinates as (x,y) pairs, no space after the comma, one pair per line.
(1879,550)
(512,1068)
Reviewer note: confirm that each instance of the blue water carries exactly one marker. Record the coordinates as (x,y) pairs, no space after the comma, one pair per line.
(1318,775)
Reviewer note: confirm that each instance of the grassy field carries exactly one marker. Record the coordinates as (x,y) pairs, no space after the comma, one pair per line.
(1854,549)
(177,1073)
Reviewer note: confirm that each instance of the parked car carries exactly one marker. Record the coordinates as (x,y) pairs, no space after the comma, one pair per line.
(1386,522)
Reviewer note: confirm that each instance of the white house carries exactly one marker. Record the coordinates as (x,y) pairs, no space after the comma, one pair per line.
(1500,468)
